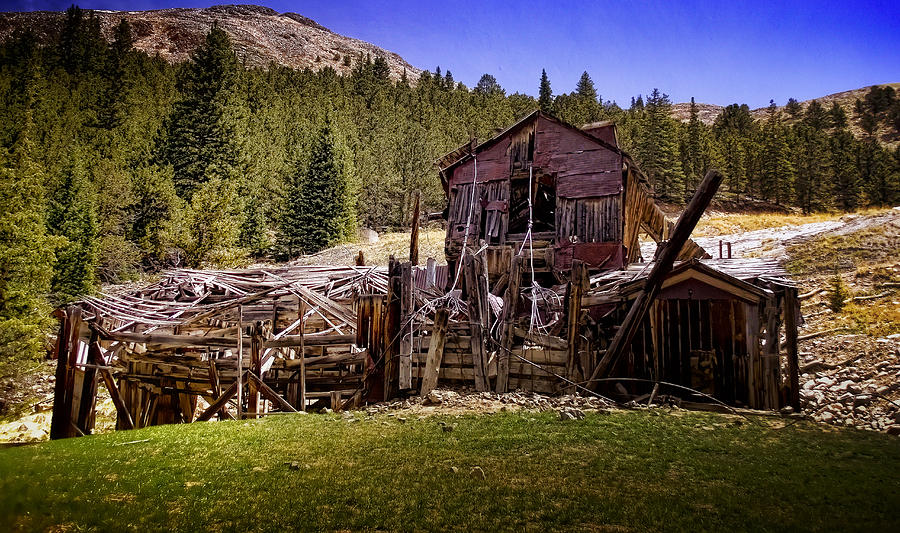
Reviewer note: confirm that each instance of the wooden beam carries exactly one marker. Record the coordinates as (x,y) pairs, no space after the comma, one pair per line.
(222,400)
(269,393)
(289,341)
(414,234)
(59,421)
(476,310)
(122,410)
(577,284)
(510,310)
(404,371)
(239,386)
(435,351)
(662,265)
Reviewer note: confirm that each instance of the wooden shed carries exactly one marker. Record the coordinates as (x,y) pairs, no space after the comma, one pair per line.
(577,192)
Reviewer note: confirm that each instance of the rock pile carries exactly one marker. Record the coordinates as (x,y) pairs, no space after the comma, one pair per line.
(439,400)
(864,394)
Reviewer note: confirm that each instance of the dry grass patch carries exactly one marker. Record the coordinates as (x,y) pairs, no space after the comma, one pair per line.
(431,244)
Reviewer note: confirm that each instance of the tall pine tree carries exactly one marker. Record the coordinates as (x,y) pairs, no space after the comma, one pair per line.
(317,210)
(545,94)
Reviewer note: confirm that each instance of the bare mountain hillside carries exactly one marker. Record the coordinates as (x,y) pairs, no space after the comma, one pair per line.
(261,35)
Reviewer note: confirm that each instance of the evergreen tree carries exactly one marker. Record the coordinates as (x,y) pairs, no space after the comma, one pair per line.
(487,85)
(777,172)
(696,158)
(657,148)
(316,214)
(793,108)
(26,255)
(73,216)
(203,139)
(845,185)
(545,94)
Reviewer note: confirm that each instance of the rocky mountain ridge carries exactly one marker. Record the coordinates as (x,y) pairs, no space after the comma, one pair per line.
(709,112)
(260,35)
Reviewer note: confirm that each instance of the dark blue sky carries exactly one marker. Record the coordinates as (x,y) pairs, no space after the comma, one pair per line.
(718,52)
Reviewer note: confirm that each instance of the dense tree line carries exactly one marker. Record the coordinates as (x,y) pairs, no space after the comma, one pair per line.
(114,162)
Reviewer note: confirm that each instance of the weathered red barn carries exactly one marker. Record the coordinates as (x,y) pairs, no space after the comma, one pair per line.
(589,200)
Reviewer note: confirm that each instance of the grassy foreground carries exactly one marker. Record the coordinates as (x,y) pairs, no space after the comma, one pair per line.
(622,471)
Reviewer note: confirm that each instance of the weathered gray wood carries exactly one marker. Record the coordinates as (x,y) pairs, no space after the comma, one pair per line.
(435,351)
(269,393)
(414,234)
(661,267)
(510,310)
(239,386)
(404,362)
(479,353)
(577,282)
(121,409)
(222,400)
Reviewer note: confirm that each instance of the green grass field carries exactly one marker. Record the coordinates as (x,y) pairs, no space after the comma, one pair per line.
(632,471)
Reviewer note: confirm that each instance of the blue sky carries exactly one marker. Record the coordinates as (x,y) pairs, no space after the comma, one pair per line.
(718,52)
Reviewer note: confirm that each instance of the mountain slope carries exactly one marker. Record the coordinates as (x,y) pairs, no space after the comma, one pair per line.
(709,112)
(260,35)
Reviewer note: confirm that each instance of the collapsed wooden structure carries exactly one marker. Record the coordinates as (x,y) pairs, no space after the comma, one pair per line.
(545,289)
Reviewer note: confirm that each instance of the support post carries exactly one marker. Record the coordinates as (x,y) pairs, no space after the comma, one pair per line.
(663,262)
(59,423)
(240,363)
(302,327)
(510,310)
(435,351)
(414,234)
(576,291)
(476,322)
(404,373)
(255,370)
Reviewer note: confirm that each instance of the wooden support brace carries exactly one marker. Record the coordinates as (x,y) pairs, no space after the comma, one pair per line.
(222,400)
(435,350)
(510,310)
(791,308)
(661,267)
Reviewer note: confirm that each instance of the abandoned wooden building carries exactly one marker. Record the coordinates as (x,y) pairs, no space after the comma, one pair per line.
(545,289)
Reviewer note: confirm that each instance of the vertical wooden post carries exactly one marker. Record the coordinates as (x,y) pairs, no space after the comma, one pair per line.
(790,330)
(430,273)
(59,422)
(391,332)
(576,291)
(510,310)
(89,386)
(476,326)
(302,328)
(404,371)
(435,351)
(414,234)
(253,405)
(240,361)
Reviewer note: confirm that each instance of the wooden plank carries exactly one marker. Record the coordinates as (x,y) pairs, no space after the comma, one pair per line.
(239,386)
(222,400)
(435,351)
(414,233)
(475,309)
(407,284)
(510,310)
(269,393)
(124,417)
(577,284)
(290,341)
